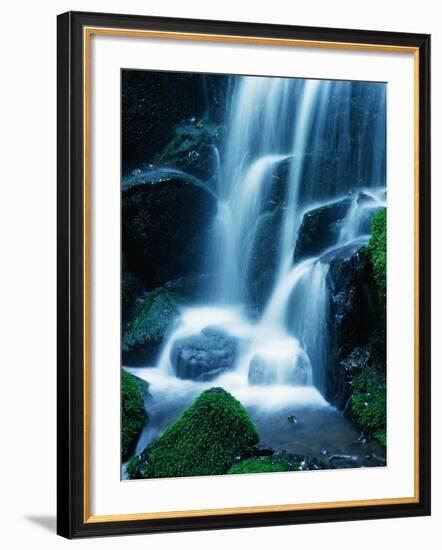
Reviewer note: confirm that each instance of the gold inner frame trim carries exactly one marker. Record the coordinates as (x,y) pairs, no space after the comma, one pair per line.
(134,33)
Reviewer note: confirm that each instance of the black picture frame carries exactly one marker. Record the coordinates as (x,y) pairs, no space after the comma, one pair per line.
(72,517)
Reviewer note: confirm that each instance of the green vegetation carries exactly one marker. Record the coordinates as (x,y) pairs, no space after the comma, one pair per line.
(203,441)
(154,321)
(369,384)
(133,414)
(377,251)
(369,402)
(262,465)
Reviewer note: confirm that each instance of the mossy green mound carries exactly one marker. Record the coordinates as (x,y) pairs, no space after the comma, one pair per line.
(260,465)
(203,441)
(133,414)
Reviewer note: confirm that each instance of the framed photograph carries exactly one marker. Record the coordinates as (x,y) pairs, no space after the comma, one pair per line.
(243,274)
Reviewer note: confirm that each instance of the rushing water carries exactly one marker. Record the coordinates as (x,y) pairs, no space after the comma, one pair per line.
(331,135)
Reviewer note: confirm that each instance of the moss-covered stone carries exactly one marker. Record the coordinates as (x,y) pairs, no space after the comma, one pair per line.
(377,251)
(152,324)
(133,413)
(260,465)
(203,441)
(369,402)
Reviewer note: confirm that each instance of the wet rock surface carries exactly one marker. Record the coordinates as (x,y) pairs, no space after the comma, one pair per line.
(204,356)
(351,321)
(156,318)
(320,228)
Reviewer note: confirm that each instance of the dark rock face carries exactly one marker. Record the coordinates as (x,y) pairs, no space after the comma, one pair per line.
(193,149)
(204,356)
(277,195)
(264,255)
(156,318)
(132,295)
(340,378)
(164,229)
(352,321)
(190,287)
(319,228)
(153,102)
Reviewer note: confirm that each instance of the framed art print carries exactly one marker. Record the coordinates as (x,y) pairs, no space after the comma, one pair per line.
(243,274)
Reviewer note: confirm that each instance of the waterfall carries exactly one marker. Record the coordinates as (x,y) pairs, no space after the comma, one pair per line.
(235,228)
(289,145)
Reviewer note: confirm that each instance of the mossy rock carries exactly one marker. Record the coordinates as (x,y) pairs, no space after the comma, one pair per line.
(259,466)
(133,413)
(369,402)
(153,323)
(377,251)
(205,440)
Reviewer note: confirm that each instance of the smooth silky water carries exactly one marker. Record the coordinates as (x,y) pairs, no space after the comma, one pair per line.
(271,121)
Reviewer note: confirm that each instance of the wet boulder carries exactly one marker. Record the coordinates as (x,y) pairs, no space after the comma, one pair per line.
(204,440)
(277,187)
(320,228)
(165,226)
(156,318)
(204,356)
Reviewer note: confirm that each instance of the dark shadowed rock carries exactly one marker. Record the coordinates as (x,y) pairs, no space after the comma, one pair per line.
(320,228)
(133,294)
(344,461)
(204,356)
(193,149)
(352,318)
(164,229)
(264,255)
(155,102)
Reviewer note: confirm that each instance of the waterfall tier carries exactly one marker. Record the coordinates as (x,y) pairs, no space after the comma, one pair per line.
(300,157)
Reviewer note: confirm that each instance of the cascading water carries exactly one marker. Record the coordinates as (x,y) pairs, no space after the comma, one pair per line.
(328,149)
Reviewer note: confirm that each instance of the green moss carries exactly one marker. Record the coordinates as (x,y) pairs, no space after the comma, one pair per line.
(154,321)
(369,402)
(377,251)
(260,465)
(133,413)
(203,441)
